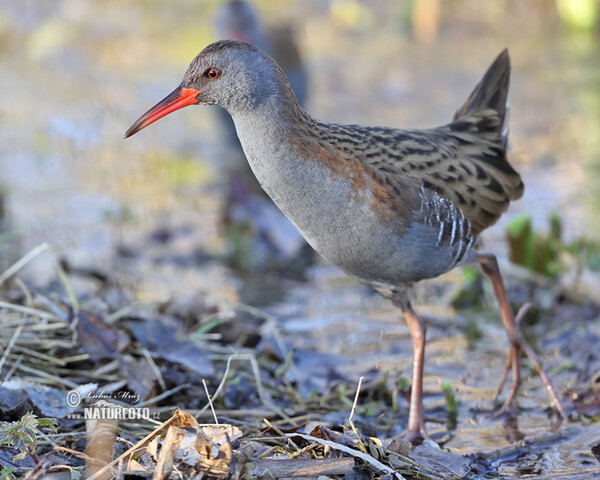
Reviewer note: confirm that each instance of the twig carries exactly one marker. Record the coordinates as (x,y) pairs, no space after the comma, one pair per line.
(259,386)
(26,292)
(66,284)
(166,394)
(355,453)
(154,368)
(283,435)
(30,311)
(212,408)
(11,344)
(42,356)
(350,419)
(19,264)
(49,376)
(58,448)
(12,369)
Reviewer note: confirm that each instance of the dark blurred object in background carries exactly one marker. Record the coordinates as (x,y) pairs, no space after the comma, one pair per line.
(259,236)
(238,20)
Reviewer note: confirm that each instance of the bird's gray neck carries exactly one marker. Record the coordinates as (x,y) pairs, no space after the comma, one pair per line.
(267,132)
(271,139)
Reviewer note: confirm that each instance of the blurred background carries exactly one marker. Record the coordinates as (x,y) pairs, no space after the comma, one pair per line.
(165,212)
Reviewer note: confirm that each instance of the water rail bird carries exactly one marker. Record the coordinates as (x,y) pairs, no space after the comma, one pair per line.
(390,207)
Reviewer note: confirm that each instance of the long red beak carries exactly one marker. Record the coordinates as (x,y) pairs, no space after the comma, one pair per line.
(178,98)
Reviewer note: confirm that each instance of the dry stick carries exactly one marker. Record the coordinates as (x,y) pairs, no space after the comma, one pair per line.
(280,432)
(82,455)
(58,310)
(65,282)
(13,368)
(30,311)
(221,384)
(42,356)
(259,387)
(351,422)
(212,408)
(26,292)
(30,256)
(242,412)
(355,453)
(164,395)
(107,367)
(49,376)
(113,317)
(261,392)
(154,368)
(19,264)
(271,320)
(11,344)
(304,467)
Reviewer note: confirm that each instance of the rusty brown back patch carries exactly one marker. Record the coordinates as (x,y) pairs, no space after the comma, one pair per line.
(389,199)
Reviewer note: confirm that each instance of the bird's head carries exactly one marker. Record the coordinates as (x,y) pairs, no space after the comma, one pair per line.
(234,75)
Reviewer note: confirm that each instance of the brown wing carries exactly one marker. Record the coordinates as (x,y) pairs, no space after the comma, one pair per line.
(453,161)
(464,161)
(461,166)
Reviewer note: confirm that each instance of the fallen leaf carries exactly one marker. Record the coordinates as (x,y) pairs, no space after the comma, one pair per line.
(97,338)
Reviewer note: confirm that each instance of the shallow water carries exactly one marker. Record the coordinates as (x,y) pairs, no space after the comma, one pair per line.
(75,74)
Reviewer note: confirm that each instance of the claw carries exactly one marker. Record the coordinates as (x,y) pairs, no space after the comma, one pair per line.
(489,265)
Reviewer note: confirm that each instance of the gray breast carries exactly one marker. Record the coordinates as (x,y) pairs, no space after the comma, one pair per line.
(340,223)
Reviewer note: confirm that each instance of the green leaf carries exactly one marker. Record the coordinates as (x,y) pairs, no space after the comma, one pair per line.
(450,404)
(49,423)
(7,473)
(76,472)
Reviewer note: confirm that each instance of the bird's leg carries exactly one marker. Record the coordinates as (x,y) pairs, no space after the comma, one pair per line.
(416,422)
(489,265)
(509,362)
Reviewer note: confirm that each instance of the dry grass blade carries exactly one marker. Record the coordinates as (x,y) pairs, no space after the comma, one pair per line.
(168,393)
(154,368)
(45,377)
(259,386)
(350,419)
(10,346)
(19,264)
(282,435)
(31,311)
(212,408)
(376,464)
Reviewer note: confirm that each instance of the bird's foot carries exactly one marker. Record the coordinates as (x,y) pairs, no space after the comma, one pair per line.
(415,433)
(405,441)
(518,344)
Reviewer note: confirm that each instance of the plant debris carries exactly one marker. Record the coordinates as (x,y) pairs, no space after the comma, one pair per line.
(111,379)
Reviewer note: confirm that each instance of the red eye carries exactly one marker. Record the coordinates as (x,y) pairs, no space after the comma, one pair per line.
(214,73)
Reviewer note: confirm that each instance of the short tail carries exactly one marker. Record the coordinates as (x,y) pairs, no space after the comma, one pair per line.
(492,93)
(480,130)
